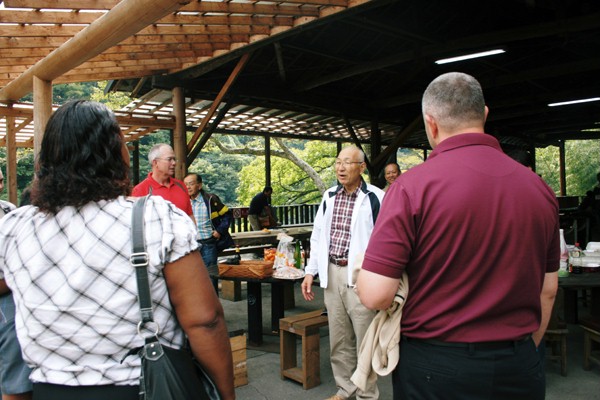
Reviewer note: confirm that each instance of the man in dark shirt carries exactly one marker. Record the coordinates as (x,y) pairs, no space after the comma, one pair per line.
(260,214)
(478,236)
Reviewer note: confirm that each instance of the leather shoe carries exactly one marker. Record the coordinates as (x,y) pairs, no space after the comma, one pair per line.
(335,397)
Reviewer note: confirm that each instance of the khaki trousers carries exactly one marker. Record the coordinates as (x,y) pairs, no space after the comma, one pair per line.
(254,222)
(348,323)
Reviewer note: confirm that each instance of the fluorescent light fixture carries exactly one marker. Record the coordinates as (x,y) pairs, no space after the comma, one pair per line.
(470,56)
(566,103)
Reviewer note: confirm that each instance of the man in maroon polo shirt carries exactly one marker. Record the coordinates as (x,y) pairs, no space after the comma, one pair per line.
(161,181)
(478,235)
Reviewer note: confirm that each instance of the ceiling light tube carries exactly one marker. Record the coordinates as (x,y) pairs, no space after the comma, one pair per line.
(566,103)
(470,56)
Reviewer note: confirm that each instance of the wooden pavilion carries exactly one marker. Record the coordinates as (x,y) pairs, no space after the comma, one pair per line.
(343,70)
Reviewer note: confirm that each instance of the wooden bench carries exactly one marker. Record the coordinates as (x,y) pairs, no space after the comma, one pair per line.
(307,327)
(556,334)
(591,333)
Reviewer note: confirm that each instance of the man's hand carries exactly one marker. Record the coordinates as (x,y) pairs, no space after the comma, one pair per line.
(307,288)
(216,235)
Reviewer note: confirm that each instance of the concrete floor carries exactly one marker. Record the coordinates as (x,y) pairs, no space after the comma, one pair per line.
(264,382)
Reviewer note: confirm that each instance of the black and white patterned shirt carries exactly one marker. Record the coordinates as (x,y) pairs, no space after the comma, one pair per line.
(76,292)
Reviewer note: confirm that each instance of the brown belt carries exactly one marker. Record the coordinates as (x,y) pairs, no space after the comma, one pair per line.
(340,262)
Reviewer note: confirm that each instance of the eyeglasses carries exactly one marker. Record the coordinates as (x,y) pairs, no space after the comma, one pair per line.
(346,164)
(168,159)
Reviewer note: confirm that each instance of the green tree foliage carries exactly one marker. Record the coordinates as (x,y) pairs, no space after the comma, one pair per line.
(113,100)
(582,164)
(68,91)
(408,158)
(219,172)
(24,169)
(72,91)
(547,166)
(64,92)
(291,185)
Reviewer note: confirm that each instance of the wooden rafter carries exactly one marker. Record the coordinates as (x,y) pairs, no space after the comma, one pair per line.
(33,30)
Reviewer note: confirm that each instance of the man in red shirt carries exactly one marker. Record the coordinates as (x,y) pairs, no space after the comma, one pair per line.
(161,181)
(478,236)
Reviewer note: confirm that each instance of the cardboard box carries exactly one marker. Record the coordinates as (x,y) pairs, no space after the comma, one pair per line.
(238,352)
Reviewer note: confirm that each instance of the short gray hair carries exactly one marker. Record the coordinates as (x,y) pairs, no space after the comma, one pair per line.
(156,150)
(454,99)
(361,154)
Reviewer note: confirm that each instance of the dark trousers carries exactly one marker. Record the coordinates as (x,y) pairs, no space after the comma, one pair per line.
(209,251)
(430,372)
(47,391)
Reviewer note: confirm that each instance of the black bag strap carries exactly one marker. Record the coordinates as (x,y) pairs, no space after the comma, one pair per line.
(139,259)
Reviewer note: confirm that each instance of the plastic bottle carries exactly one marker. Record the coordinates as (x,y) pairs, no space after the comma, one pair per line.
(297,256)
(302,256)
(576,251)
(237,257)
(577,259)
(564,256)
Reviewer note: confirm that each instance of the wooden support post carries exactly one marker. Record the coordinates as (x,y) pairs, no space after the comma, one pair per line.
(179,134)
(42,109)
(11,160)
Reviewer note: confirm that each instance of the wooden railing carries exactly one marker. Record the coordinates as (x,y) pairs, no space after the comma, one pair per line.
(290,215)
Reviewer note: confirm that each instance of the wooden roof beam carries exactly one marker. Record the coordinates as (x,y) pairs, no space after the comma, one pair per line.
(302,8)
(125,19)
(493,38)
(22,53)
(251,8)
(93,77)
(49,17)
(34,42)
(109,4)
(53,17)
(71,30)
(213,108)
(63,4)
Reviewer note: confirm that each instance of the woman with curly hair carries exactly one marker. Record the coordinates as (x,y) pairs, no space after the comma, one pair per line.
(66,260)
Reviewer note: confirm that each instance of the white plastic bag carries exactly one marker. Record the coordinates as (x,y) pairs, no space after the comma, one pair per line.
(284,257)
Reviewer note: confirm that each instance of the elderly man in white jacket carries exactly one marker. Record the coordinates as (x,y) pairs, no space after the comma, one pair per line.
(342,229)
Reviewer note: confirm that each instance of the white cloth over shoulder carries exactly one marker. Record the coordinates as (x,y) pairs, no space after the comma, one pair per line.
(380,349)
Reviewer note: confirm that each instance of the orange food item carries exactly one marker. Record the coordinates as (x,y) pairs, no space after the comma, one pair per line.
(269,254)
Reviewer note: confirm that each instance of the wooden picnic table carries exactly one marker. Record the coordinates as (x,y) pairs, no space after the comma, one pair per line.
(571,285)
(254,238)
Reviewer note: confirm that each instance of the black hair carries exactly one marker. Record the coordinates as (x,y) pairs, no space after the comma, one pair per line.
(198,177)
(25,198)
(81,158)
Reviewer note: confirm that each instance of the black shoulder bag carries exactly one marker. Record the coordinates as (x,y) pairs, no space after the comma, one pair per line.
(167,373)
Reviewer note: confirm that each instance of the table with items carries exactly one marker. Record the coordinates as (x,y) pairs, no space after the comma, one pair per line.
(571,285)
(255,298)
